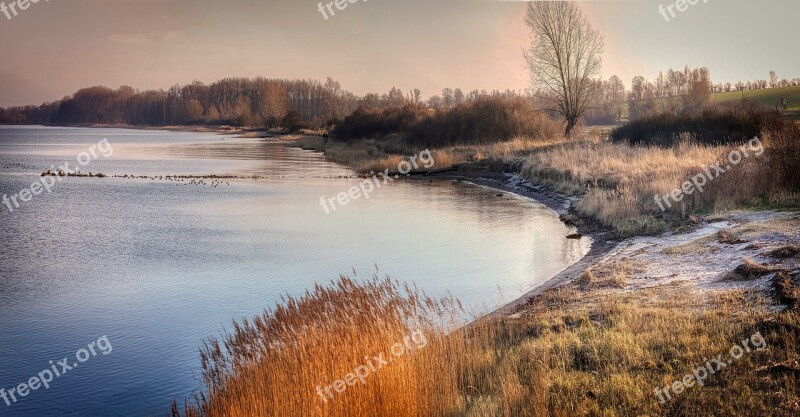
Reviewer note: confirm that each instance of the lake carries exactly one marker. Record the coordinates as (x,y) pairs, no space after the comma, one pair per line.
(157,265)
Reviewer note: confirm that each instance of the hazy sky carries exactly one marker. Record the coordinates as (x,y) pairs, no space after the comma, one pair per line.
(53,48)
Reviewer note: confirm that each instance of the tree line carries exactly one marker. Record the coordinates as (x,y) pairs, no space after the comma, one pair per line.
(312,103)
(232,101)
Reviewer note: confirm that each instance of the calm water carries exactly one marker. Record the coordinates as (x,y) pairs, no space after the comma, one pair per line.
(157,266)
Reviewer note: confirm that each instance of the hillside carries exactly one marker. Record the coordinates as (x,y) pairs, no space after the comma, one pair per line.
(768,97)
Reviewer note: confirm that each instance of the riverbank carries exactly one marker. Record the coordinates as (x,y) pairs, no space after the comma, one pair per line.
(619,333)
(663,259)
(603,241)
(611,333)
(608,243)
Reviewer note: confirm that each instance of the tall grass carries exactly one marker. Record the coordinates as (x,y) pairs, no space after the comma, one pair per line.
(570,352)
(618,182)
(273,364)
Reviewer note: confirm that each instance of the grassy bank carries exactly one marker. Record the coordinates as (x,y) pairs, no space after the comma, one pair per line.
(379,154)
(621,339)
(618,183)
(586,349)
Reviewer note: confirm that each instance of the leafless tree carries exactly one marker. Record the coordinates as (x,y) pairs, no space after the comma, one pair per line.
(415,96)
(563,57)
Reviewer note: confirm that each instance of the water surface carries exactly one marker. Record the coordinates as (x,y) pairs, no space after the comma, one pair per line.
(157,266)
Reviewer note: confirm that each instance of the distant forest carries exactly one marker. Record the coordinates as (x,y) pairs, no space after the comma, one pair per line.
(294,104)
(232,101)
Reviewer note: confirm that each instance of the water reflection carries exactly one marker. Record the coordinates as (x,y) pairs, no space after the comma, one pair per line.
(156,266)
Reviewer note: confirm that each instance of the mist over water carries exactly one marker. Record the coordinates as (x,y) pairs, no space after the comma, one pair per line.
(156,266)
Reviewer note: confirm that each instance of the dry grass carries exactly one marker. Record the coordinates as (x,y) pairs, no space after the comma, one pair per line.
(377,155)
(272,365)
(701,245)
(748,270)
(603,355)
(608,274)
(788,251)
(619,182)
(568,352)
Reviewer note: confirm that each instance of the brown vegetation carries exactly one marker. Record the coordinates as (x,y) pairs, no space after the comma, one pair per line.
(483,120)
(784,252)
(273,364)
(568,352)
(711,125)
(748,270)
(610,274)
(619,182)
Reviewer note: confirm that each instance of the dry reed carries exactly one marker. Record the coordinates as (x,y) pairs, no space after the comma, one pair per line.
(568,352)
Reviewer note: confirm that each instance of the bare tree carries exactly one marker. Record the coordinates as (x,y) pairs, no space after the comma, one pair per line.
(617,96)
(415,96)
(447,97)
(275,103)
(563,57)
(458,96)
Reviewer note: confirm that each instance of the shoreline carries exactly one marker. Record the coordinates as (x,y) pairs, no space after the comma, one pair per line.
(666,261)
(661,262)
(601,246)
(657,253)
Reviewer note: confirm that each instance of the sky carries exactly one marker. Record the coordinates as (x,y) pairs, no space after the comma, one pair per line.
(55,47)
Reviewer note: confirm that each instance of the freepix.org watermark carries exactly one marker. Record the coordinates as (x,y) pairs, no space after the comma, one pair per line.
(55,370)
(364,188)
(13,8)
(699,181)
(340,5)
(416,340)
(710,367)
(680,5)
(48,180)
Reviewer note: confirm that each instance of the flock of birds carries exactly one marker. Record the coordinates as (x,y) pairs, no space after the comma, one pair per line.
(215,180)
(16,165)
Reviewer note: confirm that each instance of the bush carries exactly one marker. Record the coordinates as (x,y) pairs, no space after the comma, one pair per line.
(784,149)
(484,121)
(487,120)
(368,123)
(713,125)
(294,122)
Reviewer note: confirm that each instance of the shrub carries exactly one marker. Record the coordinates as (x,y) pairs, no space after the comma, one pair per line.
(483,121)
(714,125)
(487,120)
(368,123)
(784,146)
(293,121)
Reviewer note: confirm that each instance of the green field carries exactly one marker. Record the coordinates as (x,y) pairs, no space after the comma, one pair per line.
(768,97)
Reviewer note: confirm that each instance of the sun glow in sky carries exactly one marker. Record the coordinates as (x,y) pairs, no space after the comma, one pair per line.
(53,48)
